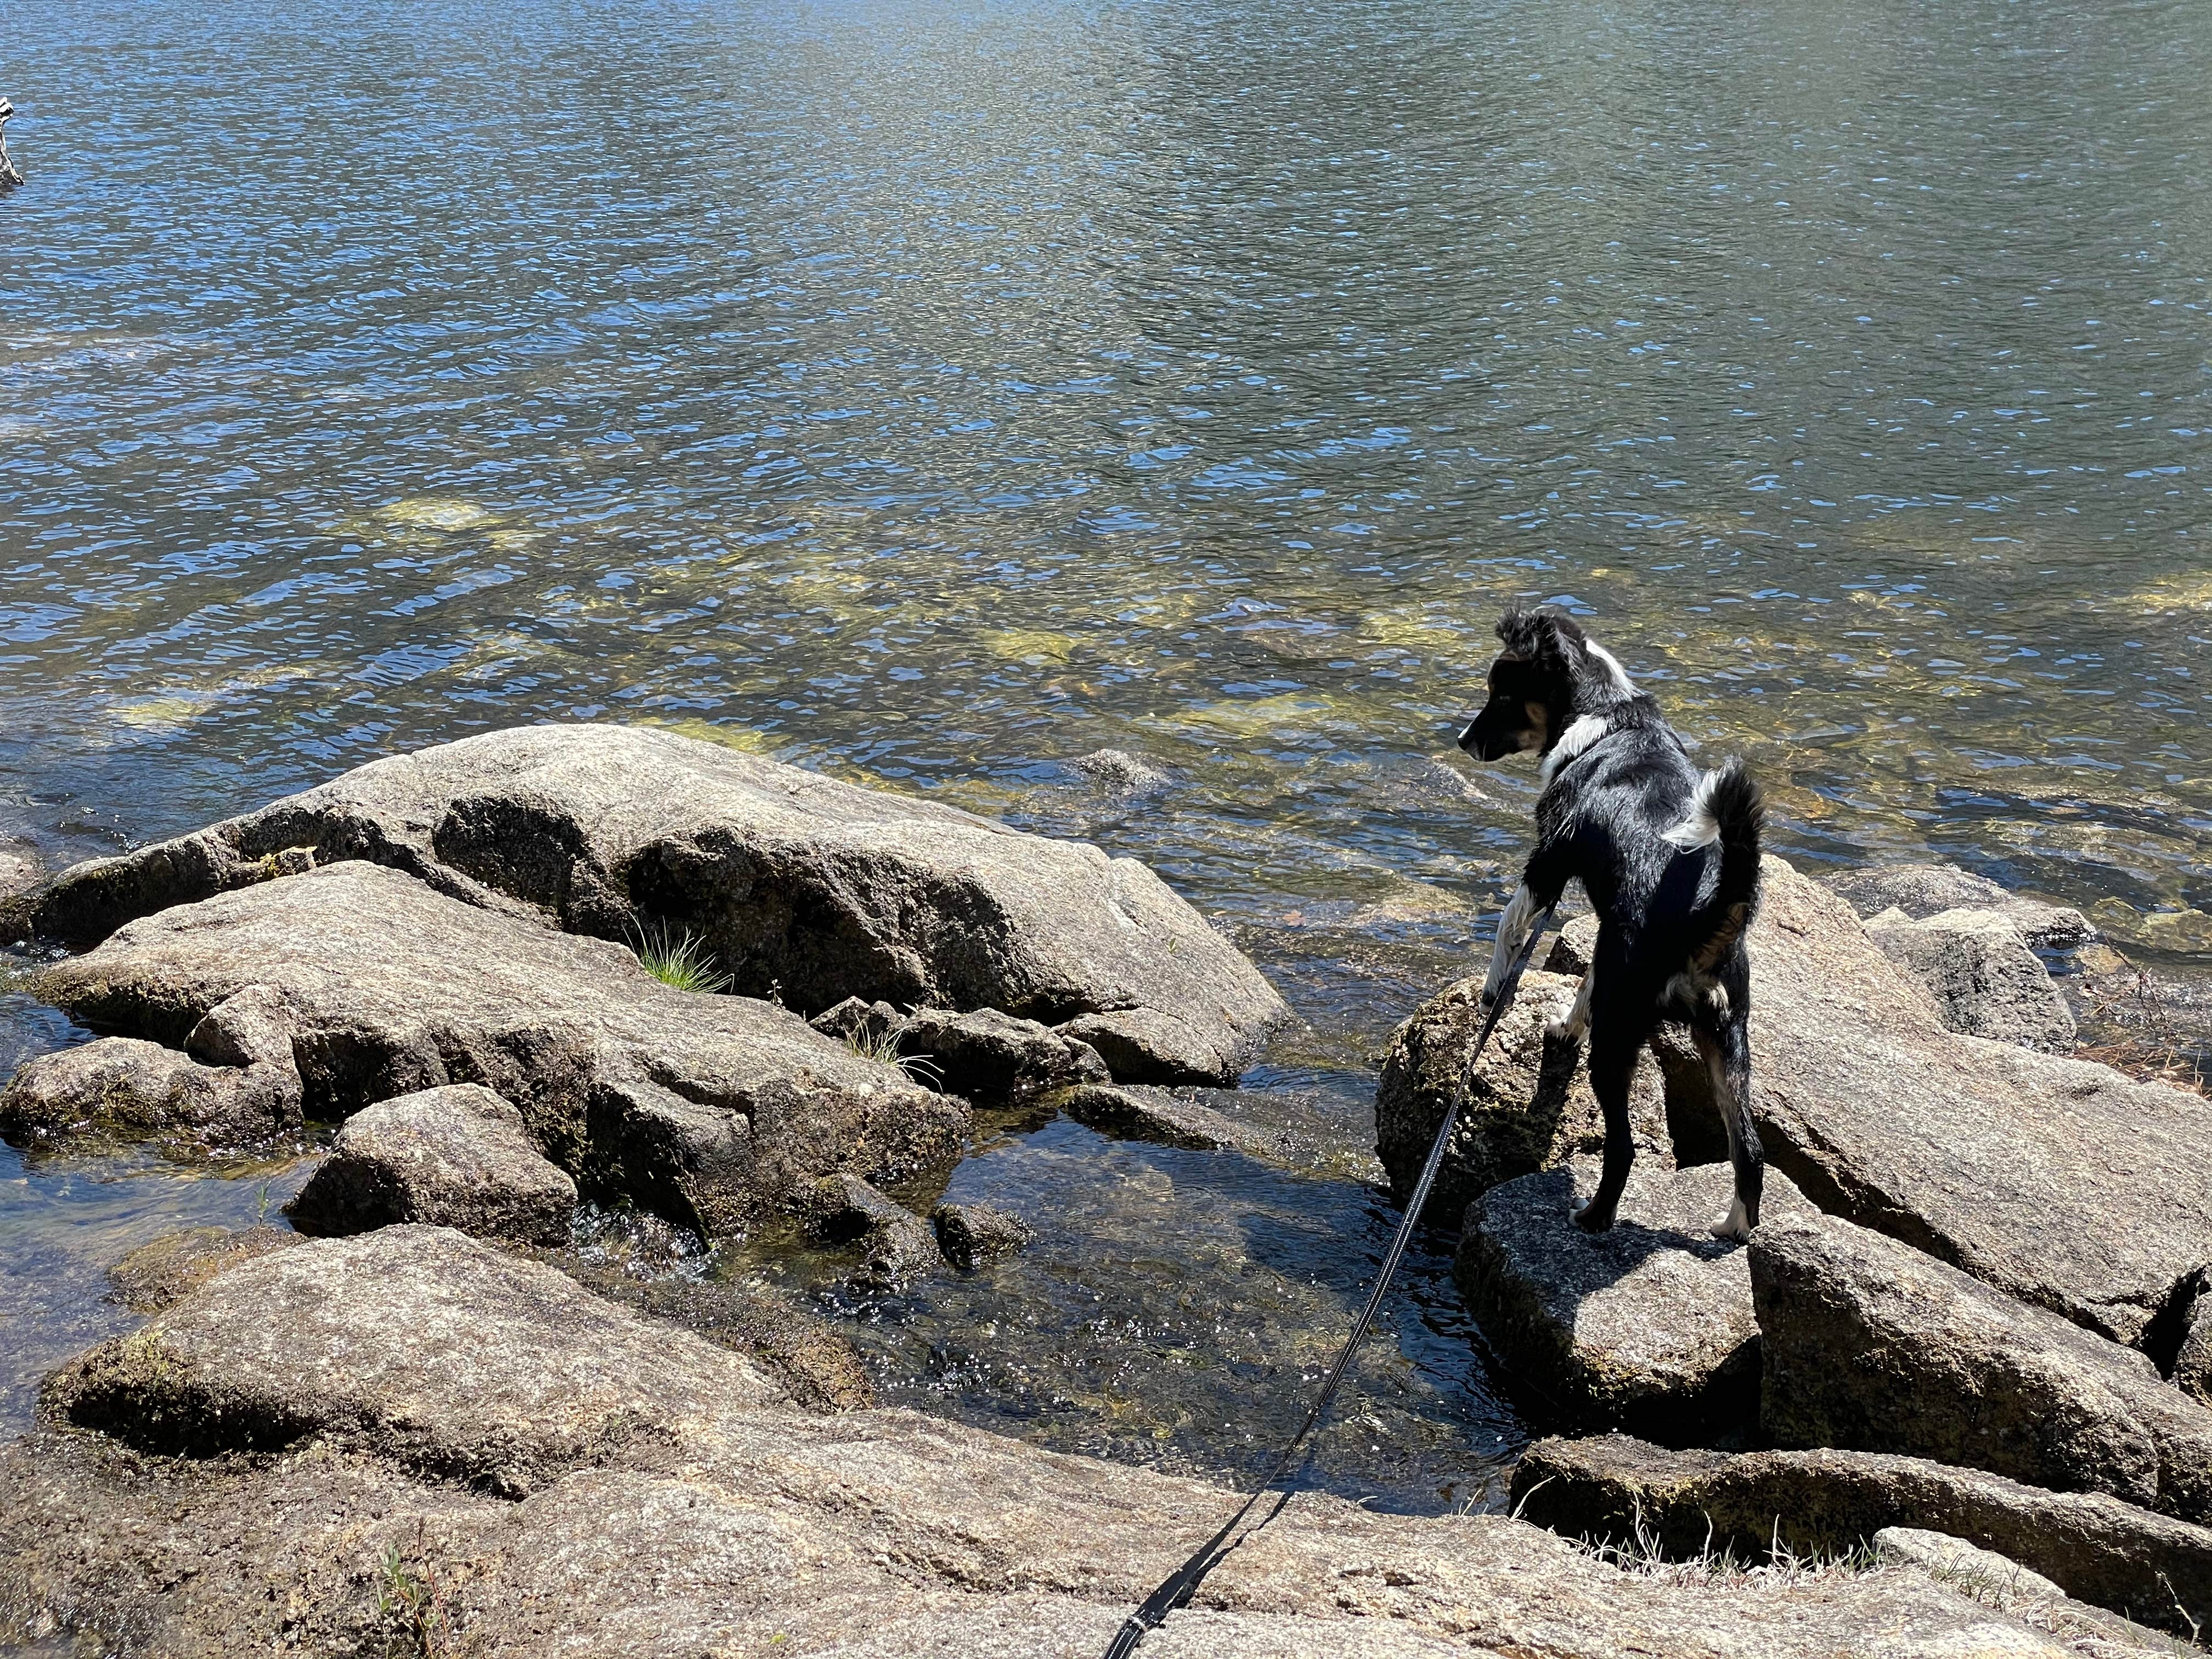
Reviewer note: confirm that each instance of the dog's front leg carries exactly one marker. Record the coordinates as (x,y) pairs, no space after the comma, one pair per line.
(1512,934)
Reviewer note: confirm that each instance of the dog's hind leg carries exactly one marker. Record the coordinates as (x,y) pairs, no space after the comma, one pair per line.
(1615,1042)
(1725,1045)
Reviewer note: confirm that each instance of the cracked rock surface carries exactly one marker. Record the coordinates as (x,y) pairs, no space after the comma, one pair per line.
(1869,1344)
(800,885)
(711,1109)
(1648,1327)
(554,1476)
(452,1156)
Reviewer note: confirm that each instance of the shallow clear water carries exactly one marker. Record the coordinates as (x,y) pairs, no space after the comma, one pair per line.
(938,392)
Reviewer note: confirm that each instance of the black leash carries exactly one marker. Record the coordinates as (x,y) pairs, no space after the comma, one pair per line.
(1176,1589)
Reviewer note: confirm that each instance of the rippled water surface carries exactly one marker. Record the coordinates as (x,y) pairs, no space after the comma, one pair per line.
(938,393)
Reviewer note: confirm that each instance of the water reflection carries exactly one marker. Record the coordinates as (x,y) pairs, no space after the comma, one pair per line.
(939,393)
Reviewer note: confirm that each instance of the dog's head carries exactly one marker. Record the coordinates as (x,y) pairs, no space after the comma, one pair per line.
(1546,673)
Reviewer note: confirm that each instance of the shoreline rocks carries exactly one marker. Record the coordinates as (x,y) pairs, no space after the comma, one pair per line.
(974,1236)
(2055,1180)
(1922,890)
(169,1268)
(438,1429)
(418,1343)
(2095,1547)
(1870,1345)
(711,1109)
(992,1057)
(1148,1115)
(1648,1327)
(798,884)
(452,1157)
(897,1245)
(1984,980)
(120,1089)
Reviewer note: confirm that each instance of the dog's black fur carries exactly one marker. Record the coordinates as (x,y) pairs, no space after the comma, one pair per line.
(1668,856)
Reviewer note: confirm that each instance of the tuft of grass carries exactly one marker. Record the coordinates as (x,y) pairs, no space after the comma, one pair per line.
(1641,1553)
(678,957)
(884,1051)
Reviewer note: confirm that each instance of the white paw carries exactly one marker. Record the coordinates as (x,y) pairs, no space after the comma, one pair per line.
(1563,1031)
(1734,1225)
(1575,1207)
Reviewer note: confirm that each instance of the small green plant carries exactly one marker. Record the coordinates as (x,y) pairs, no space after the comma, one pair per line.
(884,1050)
(415,1610)
(678,956)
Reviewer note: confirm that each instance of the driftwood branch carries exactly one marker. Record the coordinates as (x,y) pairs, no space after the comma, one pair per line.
(9,177)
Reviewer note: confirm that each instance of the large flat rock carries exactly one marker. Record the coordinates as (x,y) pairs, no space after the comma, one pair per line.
(802,885)
(709,1108)
(666,1511)
(1648,1327)
(2058,1180)
(1869,1345)
(2094,1547)
(417,1344)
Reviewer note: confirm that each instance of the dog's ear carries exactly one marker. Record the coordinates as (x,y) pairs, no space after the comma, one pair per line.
(1552,641)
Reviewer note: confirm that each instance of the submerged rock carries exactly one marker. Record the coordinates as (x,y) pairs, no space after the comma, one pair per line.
(1121,773)
(896,1244)
(173,1265)
(415,1345)
(396,1384)
(1871,1345)
(2093,1546)
(2055,1180)
(1153,1114)
(121,1088)
(1527,1105)
(973,1235)
(802,1354)
(1984,980)
(1921,890)
(452,1156)
(991,1056)
(1647,1328)
(711,1109)
(798,884)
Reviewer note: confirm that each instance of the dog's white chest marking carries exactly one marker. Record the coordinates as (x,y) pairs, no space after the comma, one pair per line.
(1572,741)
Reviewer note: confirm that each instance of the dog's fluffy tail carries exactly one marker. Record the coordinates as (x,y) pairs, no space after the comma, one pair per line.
(1729,810)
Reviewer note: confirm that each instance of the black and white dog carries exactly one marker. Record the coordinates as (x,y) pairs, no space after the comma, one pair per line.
(1668,856)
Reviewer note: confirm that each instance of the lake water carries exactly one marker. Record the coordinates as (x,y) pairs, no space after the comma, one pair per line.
(934,393)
